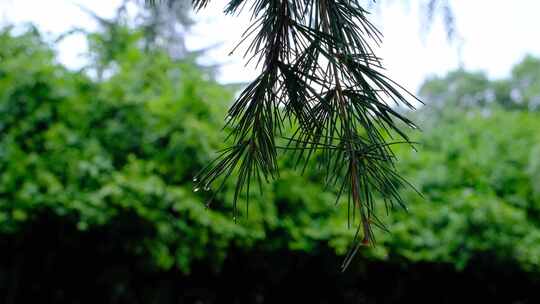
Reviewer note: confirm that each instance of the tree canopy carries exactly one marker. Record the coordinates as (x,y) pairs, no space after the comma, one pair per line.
(466,89)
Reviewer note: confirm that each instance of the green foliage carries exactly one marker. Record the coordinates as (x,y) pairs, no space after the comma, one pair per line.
(526,82)
(92,150)
(459,88)
(478,173)
(130,143)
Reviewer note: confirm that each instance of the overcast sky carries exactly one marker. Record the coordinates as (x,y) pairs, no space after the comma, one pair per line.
(496,34)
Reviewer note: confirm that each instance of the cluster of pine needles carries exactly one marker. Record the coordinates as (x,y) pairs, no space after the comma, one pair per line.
(321,78)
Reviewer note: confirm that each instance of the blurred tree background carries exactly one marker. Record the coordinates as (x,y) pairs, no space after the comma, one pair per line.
(97,204)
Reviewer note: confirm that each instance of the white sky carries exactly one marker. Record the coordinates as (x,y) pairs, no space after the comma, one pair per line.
(495,33)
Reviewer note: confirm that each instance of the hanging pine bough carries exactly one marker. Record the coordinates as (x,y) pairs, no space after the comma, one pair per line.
(321,77)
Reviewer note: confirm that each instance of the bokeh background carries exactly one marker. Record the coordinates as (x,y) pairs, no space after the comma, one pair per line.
(108,109)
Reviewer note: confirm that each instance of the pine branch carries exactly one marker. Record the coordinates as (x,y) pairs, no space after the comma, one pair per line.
(320,77)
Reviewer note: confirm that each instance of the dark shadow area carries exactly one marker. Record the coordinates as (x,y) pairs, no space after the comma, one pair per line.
(51,261)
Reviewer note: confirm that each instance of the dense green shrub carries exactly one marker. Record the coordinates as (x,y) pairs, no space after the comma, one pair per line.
(94,147)
(91,150)
(478,172)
